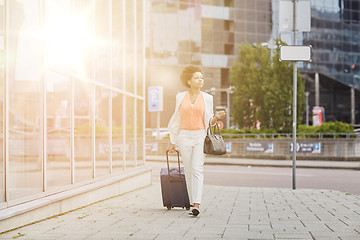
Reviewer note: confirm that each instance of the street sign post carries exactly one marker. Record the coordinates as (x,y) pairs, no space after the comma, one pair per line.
(156,103)
(295,53)
(300,13)
(155,99)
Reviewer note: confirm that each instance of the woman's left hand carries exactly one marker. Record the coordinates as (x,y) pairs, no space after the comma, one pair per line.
(220,115)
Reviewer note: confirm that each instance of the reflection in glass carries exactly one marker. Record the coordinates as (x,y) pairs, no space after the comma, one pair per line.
(140,134)
(58,166)
(117,132)
(82,131)
(117,44)
(175,31)
(140,49)
(130,138)
(58,129)
(61,52)
(102,141)
(25,99)
(130,45)
(103,42)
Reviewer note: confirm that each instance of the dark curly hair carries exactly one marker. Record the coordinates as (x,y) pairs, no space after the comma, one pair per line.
(187,73)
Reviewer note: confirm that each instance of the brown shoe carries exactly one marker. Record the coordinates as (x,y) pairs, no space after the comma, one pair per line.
(195,211)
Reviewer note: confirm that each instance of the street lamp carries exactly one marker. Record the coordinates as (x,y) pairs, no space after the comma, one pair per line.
(307,107)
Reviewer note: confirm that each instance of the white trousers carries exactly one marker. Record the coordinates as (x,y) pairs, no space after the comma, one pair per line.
(191,146)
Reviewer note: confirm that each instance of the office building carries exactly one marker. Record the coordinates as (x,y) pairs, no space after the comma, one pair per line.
(206,33)
(72,96)
(334,69)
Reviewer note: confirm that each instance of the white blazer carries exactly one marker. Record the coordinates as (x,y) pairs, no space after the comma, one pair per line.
(174,123)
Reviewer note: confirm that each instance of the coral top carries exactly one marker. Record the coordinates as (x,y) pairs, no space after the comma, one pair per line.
(192,115)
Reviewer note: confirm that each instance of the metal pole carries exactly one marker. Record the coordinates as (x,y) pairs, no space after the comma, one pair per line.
(352,105)
(294,101)
(158,125)
(317,90)
(307,107)
(228,108)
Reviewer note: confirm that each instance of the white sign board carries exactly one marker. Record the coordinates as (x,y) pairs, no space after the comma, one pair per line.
(286,15)
(295,53)
(228,146)
(155,99)
(306,147)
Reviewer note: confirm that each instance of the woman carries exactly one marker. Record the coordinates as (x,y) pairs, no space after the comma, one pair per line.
(187,127)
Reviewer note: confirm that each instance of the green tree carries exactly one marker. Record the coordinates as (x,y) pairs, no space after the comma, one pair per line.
(263,89)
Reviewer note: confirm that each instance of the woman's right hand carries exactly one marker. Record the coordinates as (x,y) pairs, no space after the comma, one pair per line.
(172,148)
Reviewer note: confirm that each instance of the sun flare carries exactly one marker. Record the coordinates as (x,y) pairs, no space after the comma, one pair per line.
(68,39)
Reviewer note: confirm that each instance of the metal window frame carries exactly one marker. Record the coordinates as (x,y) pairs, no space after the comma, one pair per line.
(135,83)
(111,87)
(5,125)
(124,84)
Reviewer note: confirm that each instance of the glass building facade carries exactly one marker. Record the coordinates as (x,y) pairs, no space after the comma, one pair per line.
(334,37)
(72,94)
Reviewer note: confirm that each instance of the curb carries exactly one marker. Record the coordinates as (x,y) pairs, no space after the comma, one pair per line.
(272,163)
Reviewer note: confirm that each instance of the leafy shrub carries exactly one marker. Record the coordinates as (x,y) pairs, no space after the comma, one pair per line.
(249,131)
(307,129)
(327,127)
(336,127)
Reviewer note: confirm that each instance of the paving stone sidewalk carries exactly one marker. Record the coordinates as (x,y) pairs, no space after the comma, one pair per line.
(227,213)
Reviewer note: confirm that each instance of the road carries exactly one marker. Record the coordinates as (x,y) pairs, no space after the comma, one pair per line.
(271,177)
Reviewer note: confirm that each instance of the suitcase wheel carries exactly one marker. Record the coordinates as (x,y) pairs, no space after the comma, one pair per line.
(168,207)
(187,208)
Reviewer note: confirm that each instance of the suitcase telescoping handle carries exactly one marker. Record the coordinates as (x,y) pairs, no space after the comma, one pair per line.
(167,161)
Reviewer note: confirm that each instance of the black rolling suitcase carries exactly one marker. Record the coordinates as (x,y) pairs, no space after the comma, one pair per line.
(173,186)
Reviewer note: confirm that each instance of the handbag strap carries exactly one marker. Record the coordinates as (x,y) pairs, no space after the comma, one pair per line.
(210,128)
(168,164)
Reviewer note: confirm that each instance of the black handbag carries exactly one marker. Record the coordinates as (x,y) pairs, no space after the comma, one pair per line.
(214,143)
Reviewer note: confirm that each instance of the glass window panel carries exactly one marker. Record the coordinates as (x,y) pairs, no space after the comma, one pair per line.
(68,36)
(240,3)
(140,49)
(58,129)
(82,131)
(102,141)
(130,138)
(219,48)
(140,134)
(117,44)
(219,37)
(25,99)
(250,4)
(83,93)
(103,41)
(2,67)
(130,45)
(250,16)
(58,70)
(263,5)
(117,132)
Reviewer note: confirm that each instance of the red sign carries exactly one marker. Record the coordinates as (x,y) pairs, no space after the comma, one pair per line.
(318,116)
(220,124)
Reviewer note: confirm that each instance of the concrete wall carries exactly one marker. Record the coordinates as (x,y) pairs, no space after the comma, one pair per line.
(331,149)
